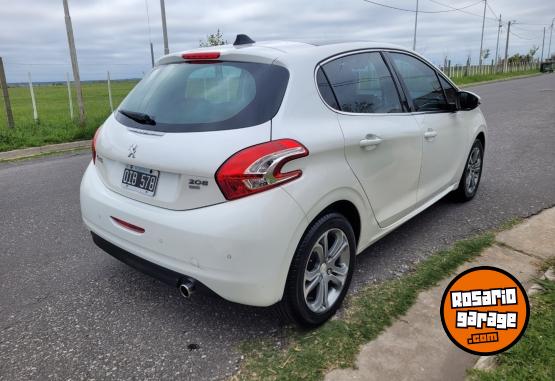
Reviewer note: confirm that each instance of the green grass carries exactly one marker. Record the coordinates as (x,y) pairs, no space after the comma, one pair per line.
(335,345)
(533,357)
(491,77)
(55,125)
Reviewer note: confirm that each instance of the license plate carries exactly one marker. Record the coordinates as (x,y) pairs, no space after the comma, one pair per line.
(141,180)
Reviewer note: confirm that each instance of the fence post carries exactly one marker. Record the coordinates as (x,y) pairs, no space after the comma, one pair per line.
(69,97)
(110,93)
(32,91)
(7,104)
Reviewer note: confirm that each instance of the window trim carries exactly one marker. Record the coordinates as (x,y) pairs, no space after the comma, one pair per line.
(400,93)
(404,86)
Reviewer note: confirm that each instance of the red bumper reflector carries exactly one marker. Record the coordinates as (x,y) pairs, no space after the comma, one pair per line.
(129,226)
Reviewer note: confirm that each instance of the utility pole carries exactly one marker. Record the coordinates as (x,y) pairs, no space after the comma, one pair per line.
(149,34)
(74,65)
(543,43)
(415,26)
(550,36)
(497,46)
(164,28)
(6,95)
(482,38)
(507,47)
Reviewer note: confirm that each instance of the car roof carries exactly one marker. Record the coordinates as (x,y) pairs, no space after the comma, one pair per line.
(284,50)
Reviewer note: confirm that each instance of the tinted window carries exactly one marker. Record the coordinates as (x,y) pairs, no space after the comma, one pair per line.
(325,89)
(450,91)
(362,84)
(188,97)
(421,81)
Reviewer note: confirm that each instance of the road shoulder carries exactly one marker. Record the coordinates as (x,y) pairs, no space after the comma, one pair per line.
(25,153)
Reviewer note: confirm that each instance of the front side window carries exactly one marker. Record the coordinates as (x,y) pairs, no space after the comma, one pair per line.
(422,83)
(362,84)
(450,91)
(209,96)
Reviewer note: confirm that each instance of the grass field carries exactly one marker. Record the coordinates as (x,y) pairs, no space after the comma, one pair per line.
(55,125)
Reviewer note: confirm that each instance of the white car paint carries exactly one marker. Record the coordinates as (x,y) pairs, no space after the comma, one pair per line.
(242,249)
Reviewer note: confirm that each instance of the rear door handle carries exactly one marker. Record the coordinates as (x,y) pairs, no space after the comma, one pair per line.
(430,134)
(370,142)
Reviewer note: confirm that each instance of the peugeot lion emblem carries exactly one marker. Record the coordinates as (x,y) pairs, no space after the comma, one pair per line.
(132,151)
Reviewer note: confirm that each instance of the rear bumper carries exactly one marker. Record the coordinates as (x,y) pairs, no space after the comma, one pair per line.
(241,250)
(167,276)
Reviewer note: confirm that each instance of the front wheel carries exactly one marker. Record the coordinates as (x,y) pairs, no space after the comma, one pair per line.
(320,272)
(470,179)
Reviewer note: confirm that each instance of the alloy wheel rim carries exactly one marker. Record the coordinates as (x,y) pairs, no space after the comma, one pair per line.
(473,169)
(326,270)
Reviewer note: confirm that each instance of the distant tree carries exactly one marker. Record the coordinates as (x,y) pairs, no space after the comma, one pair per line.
(533,50)
(524,58)
(214,39)
(485,54)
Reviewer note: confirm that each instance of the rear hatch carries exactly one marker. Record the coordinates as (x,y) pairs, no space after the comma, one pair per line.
(179,125)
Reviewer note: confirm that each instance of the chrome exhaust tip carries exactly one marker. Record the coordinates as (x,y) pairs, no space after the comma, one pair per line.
(187,288)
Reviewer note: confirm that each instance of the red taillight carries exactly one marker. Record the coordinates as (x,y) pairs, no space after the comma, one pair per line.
(258,168)
(201,56)
(129,226)
(93,145)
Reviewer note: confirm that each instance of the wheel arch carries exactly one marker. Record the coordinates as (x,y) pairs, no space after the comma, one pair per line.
(348,210)
(482,138)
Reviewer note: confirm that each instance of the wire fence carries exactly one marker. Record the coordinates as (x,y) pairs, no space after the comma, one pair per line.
(460,71)
(53,103)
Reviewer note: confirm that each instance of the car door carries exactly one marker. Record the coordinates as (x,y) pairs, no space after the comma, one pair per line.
(444,135)
(383,143)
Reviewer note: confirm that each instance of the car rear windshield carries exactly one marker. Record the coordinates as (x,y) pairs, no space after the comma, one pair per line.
(195,96)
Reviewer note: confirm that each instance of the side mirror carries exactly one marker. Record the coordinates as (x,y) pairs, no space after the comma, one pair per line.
(468,100)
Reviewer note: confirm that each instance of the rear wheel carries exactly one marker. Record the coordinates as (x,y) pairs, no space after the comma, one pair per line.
(320,272)
(470,180)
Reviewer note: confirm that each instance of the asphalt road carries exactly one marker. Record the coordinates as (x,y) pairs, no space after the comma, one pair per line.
(67,310)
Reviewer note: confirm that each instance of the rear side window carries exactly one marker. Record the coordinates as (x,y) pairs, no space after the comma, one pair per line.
(325,89)
(421,81)
(194,96)
(362,84)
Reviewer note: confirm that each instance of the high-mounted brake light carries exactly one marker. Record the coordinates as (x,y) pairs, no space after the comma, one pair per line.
(93,145)
(258,168)
(201,56)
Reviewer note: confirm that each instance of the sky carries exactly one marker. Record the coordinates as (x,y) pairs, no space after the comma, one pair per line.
(114,34)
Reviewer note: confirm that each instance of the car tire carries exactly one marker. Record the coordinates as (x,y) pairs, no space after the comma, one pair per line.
(320,272)
(472,174)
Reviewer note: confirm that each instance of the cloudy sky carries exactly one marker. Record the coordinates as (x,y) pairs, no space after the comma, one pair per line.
(114,35)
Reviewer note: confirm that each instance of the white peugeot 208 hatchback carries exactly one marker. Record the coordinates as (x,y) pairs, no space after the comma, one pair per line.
(260,170)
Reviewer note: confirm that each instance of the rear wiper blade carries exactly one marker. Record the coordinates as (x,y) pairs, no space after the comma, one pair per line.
(138,117)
